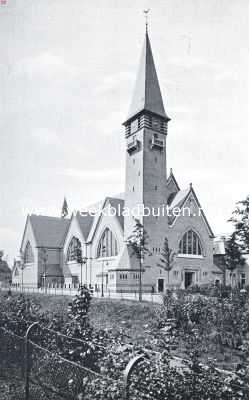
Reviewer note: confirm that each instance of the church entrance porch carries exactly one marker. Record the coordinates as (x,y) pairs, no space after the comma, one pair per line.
(189,279)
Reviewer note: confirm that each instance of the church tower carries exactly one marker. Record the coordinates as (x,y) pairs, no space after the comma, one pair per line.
(146,133)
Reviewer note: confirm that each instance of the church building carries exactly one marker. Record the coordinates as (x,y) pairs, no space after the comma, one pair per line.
(49,244)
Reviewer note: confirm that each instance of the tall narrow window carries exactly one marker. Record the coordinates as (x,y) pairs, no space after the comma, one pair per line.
(108,246)
(72,249)
(28,254)
(190,244)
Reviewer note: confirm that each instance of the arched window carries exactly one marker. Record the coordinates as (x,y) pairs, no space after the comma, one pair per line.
(108,245)
(190,244)
(72,249)
(28,254)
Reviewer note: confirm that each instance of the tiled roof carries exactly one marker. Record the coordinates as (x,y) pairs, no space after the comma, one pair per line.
(171,178)
(179,198)
(147,94)
(118,204)
(49,231)
(85,222)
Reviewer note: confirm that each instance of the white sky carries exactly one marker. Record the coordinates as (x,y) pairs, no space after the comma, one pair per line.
(67,71)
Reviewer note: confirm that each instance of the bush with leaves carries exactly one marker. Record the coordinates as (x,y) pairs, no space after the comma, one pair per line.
(17,313)
(192,319)
(78,341)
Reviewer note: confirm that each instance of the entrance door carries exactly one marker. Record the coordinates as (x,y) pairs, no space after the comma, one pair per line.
(160,285)
(189,279)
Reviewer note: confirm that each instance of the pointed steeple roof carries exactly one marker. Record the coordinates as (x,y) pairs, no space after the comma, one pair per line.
(147,94)
(64,211)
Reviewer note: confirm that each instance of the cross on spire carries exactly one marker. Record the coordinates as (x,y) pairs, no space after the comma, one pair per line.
(146,12)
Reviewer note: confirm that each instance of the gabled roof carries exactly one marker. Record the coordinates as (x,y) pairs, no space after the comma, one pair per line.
(179,198)
(179,201)
(202,212)
(127,259)
(117,204)
(147,94)
(49,231)
(85,223)
(171,179)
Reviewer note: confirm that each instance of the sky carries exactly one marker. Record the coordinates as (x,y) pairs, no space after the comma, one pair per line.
(67,72)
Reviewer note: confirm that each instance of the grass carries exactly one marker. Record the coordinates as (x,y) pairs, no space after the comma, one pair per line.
(130,315)
(109,314)
(134,318)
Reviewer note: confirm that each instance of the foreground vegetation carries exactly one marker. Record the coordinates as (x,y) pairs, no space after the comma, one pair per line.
(210,328)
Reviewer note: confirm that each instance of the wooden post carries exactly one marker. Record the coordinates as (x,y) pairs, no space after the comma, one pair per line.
(27,360)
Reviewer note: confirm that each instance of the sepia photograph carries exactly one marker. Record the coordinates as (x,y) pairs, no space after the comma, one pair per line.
(124,202)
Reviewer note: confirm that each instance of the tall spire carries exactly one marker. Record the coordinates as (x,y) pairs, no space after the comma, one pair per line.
(64,211)
(147,94)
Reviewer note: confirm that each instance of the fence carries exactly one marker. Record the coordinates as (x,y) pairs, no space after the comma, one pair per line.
(61,291)
(44,373)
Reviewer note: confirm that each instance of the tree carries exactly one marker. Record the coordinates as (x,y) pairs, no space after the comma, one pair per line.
(240,219)
(79,258)
(78,312)
(233,256)
(167,258)
(138,242)
(78,326)
(64,211)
